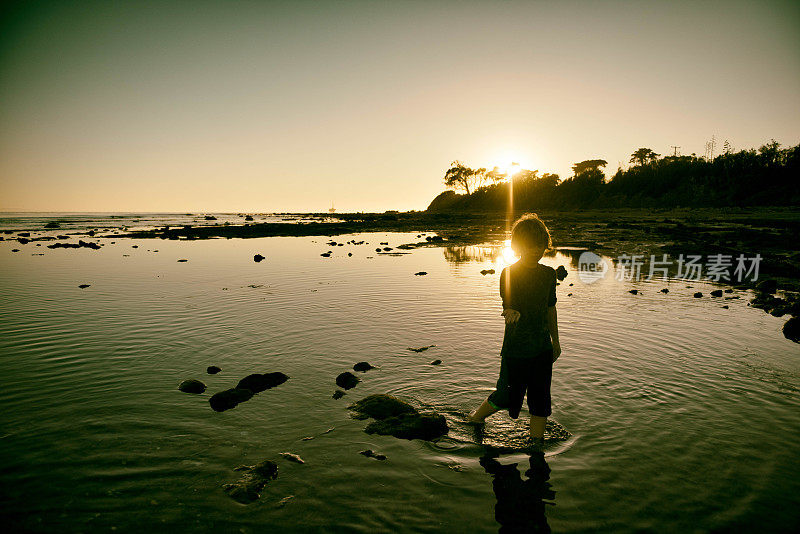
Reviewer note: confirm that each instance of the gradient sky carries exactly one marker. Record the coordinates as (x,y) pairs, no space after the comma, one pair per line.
(287,106)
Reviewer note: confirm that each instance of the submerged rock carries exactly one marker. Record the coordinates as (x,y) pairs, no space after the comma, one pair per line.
(634,291)
(698,295)
(484,272)
(213,369)
(382,406)
(225,400)
(247,488)
(347,380)
(716,293)
(420,273)
(420,349)
(51,225)
(791,329)
(665,290)
(258,258)
(192,386)
(410,426)
(436,362)
(338,394)
(362,367)
(258,382)
(561,272)
(369,453)
(292,457)
(84,286)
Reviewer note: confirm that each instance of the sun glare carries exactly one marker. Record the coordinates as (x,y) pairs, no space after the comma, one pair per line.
(507,256)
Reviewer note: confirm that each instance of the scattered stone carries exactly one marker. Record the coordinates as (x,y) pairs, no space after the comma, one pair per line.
(248,218)
(292,457)
(80,244)
(192,386)
(767,286)
(725,307)
(420,349)
(363,367)
(258,382)
(247,488)
(23,241)
(347,380)
(665,290)
(384,242)
(571,285)
(182,261)
(225,400)
(210,218)
(326,254)
(729,290)
(421,273)
(484,272)
(387,249)
(84,286)
(569,294)
(52,225)
(258,257)
(349,254)
(213,369)
(436,362)
(791,329)
(377,250)
(338,394)
(716,293)
(369,453)
(634,291)
(698,295)
(561,272)
(14,250)
(286,499)
(434,238)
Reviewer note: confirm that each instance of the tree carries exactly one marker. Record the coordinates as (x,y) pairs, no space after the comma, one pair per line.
(462,177)
(643,156)
(590,166)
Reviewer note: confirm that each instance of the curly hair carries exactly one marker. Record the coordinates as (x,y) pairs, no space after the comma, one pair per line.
(529,231)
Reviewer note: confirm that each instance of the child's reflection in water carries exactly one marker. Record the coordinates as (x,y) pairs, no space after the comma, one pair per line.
(520,503)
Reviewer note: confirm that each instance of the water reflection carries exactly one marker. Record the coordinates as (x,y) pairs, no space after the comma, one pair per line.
(520,503)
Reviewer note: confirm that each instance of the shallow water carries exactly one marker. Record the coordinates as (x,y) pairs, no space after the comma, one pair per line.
(684,415)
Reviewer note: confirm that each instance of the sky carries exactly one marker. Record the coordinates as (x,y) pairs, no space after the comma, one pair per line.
(258,106)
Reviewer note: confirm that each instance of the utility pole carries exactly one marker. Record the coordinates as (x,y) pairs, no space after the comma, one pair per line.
(674,150)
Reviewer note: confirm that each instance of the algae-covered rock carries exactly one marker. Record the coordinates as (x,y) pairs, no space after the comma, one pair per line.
(410,426)
(382,406)
(347,380)
(192,386)
(255,477)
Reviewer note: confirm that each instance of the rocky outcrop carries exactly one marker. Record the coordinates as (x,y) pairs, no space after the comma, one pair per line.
(398,418)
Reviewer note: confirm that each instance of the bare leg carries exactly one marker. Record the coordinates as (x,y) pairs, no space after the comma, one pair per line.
(483,411)
(537,426)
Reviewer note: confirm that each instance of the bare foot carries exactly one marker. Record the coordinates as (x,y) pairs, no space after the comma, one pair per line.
(475,420)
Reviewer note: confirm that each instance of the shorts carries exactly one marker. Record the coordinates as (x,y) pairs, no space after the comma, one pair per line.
(518,375)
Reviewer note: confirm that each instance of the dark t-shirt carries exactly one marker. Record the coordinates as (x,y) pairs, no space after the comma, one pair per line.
(530,291)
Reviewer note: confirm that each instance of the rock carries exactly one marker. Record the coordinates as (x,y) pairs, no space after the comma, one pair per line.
(84,286)
(248,218)
(182,261)
(51,225)
(436,362)
(213,369)
(729,290)
(725,307)
(410,426)
(377,250)
(665,290)
(14,250)
(210,218)
(561,272)
(326,254)
(349,254)
(225,400)
(387,249)
(292,457)
(791,329)
(369,453)
(192,386)
(23,241)
(434,238)
(258,258)
(382,406)
(698,295)
(24,234)
(484,272)
(569,294)
(338,394)
(716,293)
(363,367)
(421,273)
(767,286)
(347,380)
(420,349)
(258,382)
(246,489)
(634,291)
(384,242)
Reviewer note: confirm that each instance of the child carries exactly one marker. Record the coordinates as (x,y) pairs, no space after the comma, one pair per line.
(530,341)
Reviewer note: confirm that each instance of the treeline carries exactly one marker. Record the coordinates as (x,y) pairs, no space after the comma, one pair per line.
(769,176)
